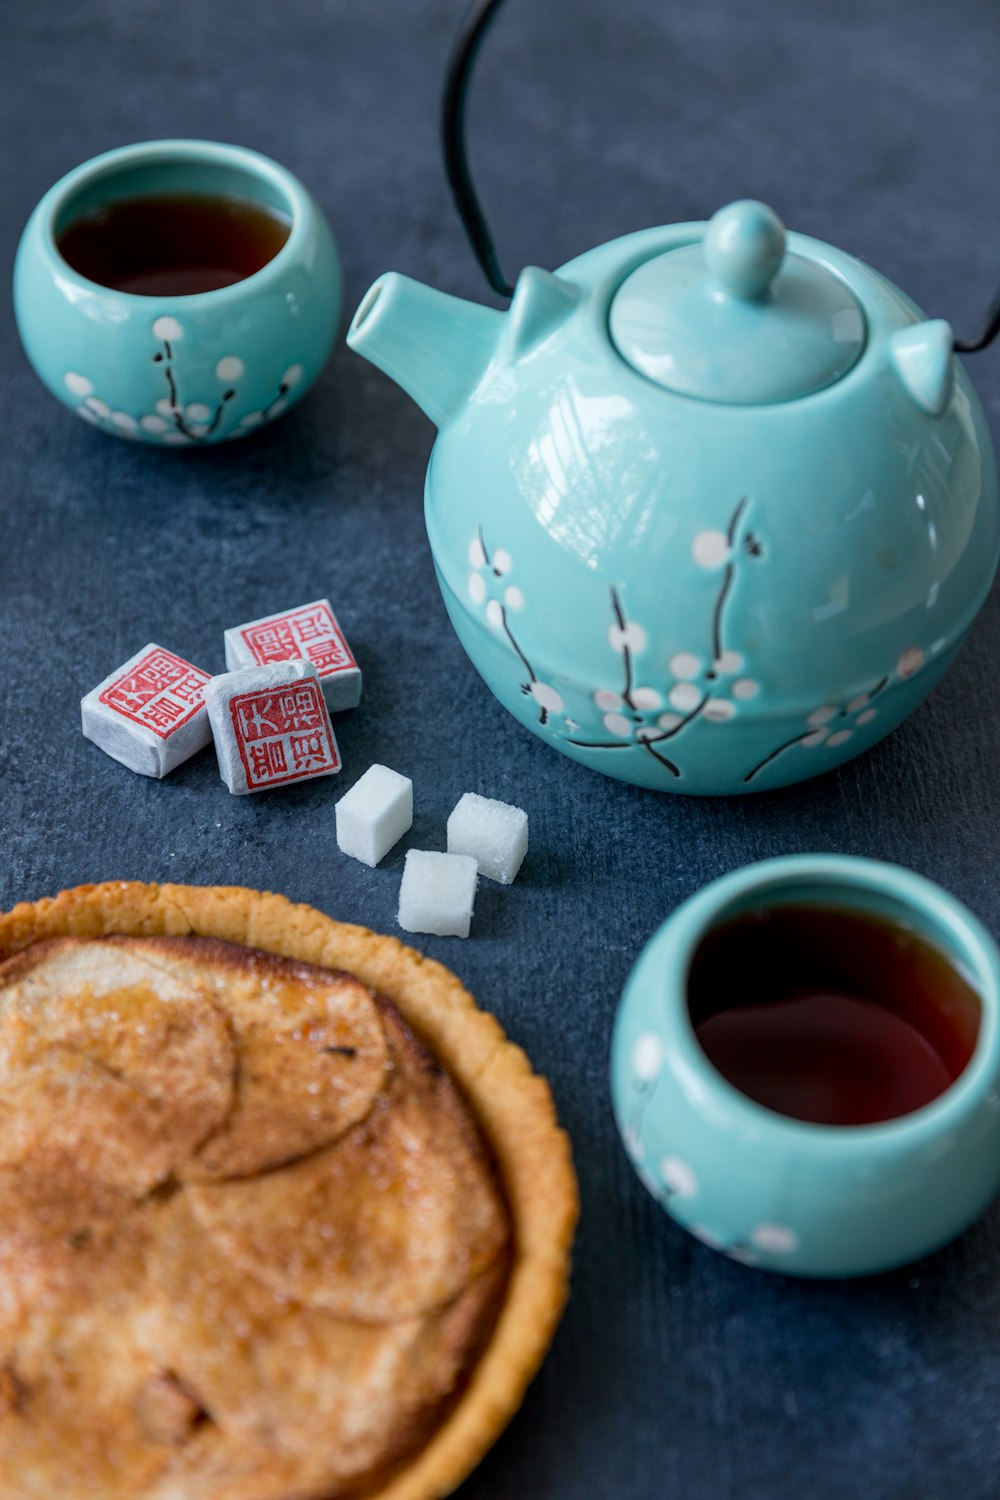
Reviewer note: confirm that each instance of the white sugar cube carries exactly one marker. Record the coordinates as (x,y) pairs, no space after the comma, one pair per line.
(271,727)
(437,893)
(374,814)
(312,632)
(495,834)
(150,713)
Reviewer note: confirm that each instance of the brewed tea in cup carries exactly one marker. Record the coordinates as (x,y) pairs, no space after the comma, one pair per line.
(177,292)
(831,1015)
(806,1066)
(173,244)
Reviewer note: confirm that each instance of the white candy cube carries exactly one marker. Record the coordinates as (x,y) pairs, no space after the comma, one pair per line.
(271,727)
(374,814)
(149,714)
(437,893)
(310,632)
(495,834)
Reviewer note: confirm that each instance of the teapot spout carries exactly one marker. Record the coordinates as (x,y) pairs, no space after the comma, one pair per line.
(435,346)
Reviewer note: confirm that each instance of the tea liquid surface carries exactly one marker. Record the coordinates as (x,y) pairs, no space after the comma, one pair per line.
(173,245)
(831,1016)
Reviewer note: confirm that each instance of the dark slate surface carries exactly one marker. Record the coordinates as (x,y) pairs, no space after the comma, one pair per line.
(676,1374)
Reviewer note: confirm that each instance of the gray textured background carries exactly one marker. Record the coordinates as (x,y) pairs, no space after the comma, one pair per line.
(676,1374)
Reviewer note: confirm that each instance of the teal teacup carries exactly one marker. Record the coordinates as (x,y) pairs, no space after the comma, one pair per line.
(790,1194)
(178,369)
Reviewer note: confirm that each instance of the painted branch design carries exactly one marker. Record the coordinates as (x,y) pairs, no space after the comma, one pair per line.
(636,725)
(632,714)
(820,725)
(195,432)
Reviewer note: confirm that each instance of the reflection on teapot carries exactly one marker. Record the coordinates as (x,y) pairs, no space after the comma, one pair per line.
(712,508)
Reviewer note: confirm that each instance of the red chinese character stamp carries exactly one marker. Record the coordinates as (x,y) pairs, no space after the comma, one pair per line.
(160,692)
(310,632)
(283,734)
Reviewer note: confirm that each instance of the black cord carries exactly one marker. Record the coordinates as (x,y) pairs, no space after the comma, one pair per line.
(456,87)
(986,334)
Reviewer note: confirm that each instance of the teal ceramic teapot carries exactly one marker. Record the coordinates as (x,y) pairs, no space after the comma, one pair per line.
(712,508)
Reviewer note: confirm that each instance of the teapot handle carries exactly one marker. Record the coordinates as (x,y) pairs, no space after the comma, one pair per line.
(456,158)
(458,74)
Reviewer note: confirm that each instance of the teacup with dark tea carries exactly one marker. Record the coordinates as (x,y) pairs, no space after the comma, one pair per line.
(806,1065)
(177,292)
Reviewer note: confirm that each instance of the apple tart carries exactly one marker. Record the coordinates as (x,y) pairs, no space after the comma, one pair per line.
(283,1215)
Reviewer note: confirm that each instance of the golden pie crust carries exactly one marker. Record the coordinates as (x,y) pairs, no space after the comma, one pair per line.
(432,1319)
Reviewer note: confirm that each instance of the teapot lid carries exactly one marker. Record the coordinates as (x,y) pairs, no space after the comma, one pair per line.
(735,319)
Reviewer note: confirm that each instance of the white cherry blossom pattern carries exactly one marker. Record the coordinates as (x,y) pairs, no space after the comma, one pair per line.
(646,1060)
(707,685)
(910,662)
(774,1239)
(193,421)
(167,330)
(764,1239)
(831,726)
(229,368)
(710,548)
(647,1057)
(648,1176)
(630,716)
(172,422)
(640,715)
(672,1176)
(486,580)
(678,1177)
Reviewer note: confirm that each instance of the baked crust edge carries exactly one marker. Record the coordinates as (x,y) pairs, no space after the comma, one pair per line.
(513,1105)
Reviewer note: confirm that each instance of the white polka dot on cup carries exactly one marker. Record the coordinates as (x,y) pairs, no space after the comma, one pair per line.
(167,329)
(685,696)
(684,664)
(710,548)
(776,1239)
(678,1177)
(630,637)
(647,1056)
(230,367)
(546,697)
(910,662)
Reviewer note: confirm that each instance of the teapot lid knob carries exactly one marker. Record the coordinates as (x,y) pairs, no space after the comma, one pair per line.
(731,317)
(744,248)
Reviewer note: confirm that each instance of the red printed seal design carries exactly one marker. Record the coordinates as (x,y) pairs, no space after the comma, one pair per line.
(283,734)
(161,692)
(310,632)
